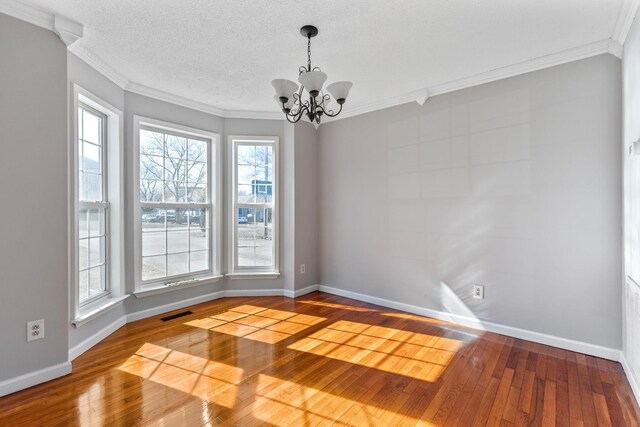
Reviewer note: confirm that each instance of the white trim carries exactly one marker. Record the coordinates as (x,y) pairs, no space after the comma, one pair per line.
(143,314)
(33,378)
(28,14)
(299,292)
(628,10)
(625,19)
(99,64)
(232,208)
(114,179)
(253,276)
(94,339)
(580,52)
(107,305)
(161,95)
(567,344)
(214,203)
(149,291)
(69,31)
(173,99)
(230,293)
(633,382)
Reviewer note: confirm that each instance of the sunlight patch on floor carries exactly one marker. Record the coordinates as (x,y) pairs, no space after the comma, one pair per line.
(420,356)
(257,323)
(203,378)
(340,306)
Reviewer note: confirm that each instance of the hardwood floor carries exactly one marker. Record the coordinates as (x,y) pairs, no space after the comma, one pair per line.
(322,360)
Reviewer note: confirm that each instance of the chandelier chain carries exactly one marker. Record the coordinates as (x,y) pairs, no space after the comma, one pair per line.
(309,53)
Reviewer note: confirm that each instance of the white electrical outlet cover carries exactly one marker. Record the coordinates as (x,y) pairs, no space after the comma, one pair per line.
(35,330)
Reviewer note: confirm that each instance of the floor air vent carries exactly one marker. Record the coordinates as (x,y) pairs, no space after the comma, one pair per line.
(173,316)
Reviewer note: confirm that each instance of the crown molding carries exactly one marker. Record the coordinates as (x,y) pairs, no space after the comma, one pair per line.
(99,64)
(628,11)
(420,96)
(28,14)
(612,46)
(69,31)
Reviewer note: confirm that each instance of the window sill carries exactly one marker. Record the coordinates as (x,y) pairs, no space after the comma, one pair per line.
(162,288)
(97,310)
(252,276)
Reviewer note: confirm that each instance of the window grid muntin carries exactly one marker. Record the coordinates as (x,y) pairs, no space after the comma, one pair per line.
(175,205)
(236,144)
(101,205)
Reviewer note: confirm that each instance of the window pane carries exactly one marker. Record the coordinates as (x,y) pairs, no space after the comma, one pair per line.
(83,254)
(175,146)
(254,238)
(246,174)
(96,251)
(196,193)
(246,154)
(197,150)
(83,223)
(197,172)
(153,243)
(174,170)
(174,192)
(91,187)
(91,127)
(151,143)
(177,241)
(96,281)
(151,167)
(97,222)
(150,190)
(177,264)
(91,158)
(83,285)
(153,267)
(198,240)
(199,261)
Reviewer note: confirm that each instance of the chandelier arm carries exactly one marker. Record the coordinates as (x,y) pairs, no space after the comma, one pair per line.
(294,118)
(330,113)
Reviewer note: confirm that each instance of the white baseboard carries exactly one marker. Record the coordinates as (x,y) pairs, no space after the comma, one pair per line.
(33,378)
(230,293)
(96,338)
(143,314)
(567,344)
(631,377)
(299,292)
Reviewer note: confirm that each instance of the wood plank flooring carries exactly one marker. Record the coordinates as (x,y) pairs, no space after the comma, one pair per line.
(322,360)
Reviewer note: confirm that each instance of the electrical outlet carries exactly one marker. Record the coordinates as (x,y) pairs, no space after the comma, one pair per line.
(35,330)
(303,269)
(478,291)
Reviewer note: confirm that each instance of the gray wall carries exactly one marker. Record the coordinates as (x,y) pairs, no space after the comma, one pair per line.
(513,184)
(306,205)
(33,222)
(631,286)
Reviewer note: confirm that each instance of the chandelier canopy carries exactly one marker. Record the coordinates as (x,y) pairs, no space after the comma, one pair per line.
(309,99)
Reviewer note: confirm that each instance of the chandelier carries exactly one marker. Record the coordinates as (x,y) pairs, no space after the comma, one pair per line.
(309,99)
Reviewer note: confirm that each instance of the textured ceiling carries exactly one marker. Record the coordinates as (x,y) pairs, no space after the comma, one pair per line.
(225,53)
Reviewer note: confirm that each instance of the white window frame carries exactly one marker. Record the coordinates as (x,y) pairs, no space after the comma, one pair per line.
(113,189)
(250,272)
(214,176)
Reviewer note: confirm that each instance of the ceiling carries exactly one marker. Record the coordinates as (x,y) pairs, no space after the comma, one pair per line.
(225,53)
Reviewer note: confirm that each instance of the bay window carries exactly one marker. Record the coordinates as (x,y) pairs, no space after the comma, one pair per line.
(176,216)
